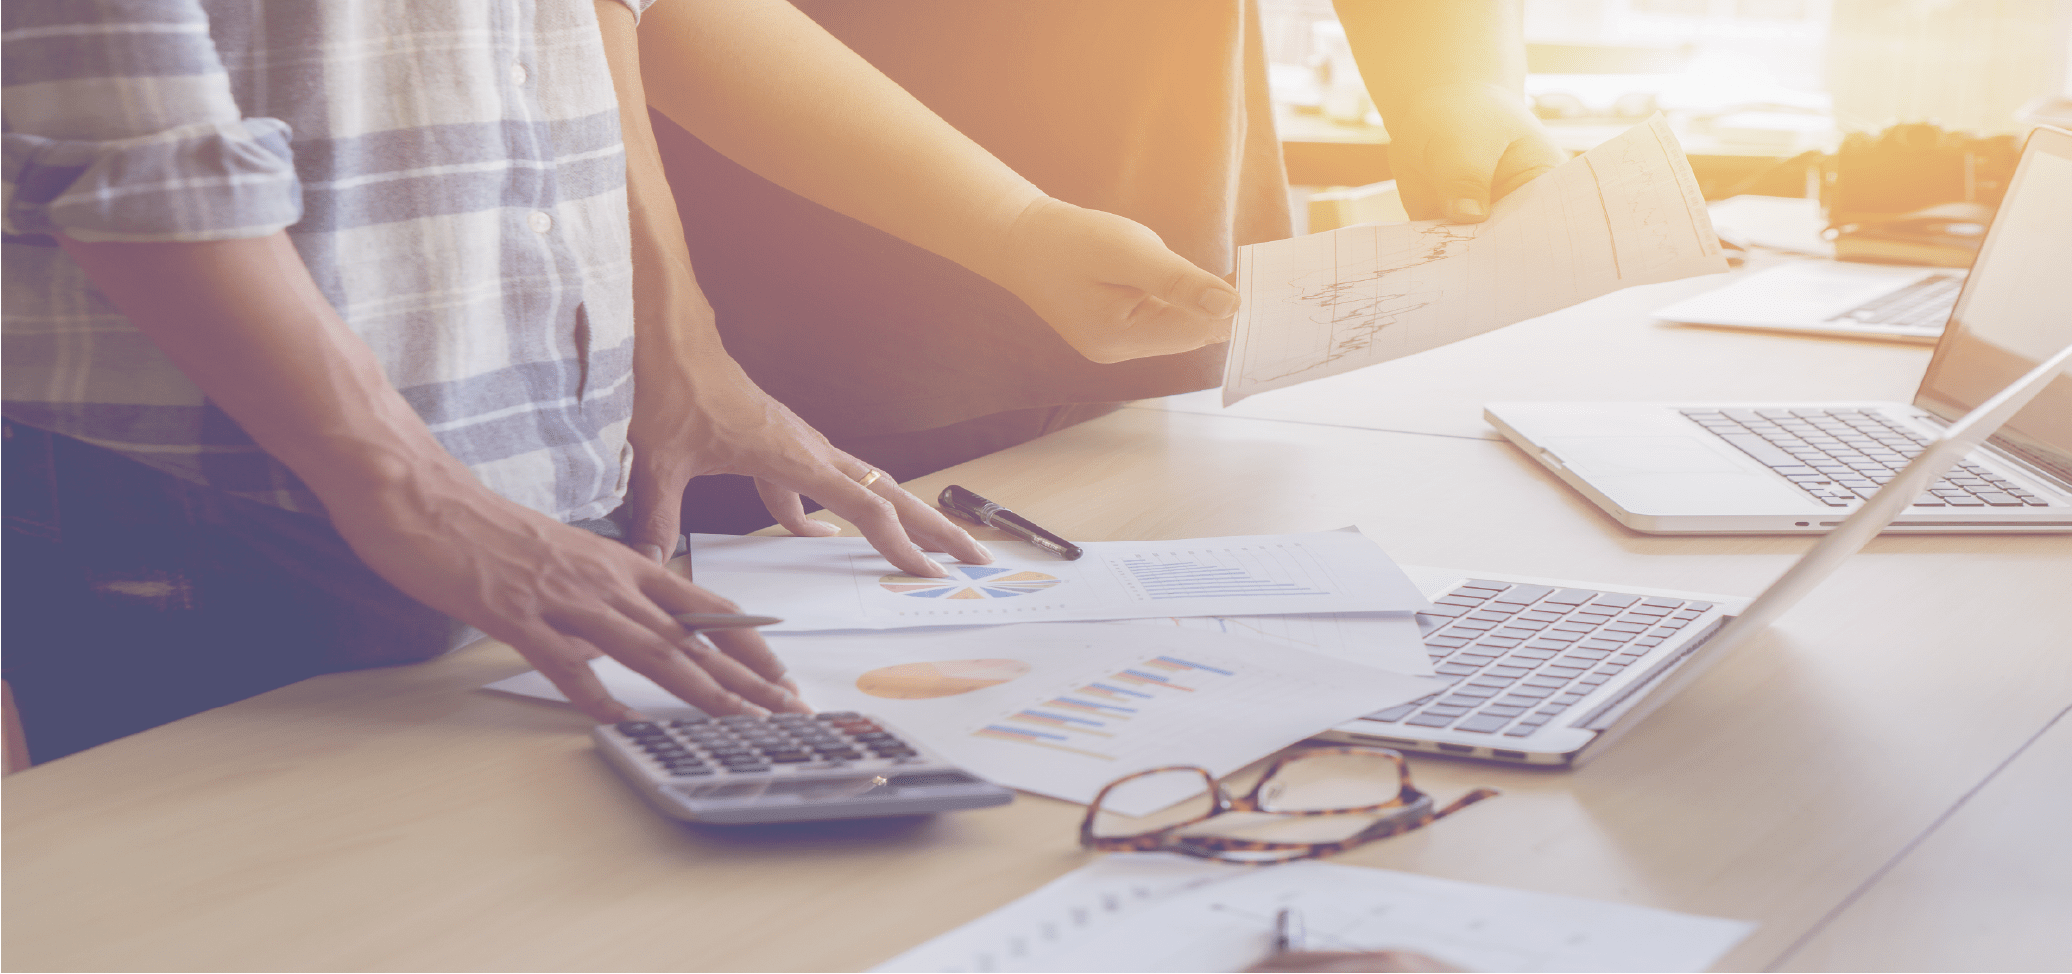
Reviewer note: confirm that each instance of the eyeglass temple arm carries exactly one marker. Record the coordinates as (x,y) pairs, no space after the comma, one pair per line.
(1465,800)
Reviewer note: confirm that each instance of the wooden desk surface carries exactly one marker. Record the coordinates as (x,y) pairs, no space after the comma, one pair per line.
(1878,762)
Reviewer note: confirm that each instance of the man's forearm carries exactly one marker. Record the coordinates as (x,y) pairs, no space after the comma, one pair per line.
(244,321)
(760,82)
(672,322)
(1404,46)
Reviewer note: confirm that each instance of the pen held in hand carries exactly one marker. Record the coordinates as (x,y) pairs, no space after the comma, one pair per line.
(971,507)
(701,621)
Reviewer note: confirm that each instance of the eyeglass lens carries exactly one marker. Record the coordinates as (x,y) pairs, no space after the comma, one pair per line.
(1155,801)
(1325,781)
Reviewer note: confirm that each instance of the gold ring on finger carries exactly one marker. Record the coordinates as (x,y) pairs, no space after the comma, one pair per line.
(871,477)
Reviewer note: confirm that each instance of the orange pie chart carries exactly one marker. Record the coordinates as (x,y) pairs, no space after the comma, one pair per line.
(945,678)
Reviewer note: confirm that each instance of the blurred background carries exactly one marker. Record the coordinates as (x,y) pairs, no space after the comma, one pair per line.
(1758,90)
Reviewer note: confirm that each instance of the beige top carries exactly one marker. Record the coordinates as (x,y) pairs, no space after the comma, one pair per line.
(1155,109)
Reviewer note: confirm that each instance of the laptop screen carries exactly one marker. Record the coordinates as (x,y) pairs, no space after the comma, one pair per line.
(2014,311)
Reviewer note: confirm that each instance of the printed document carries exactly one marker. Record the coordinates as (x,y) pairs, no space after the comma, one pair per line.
(1627,212)
(1061,709)
(1161,912)
(841,583)
(1389,640)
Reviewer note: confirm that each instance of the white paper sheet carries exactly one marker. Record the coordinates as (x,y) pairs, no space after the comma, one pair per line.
(841,583)
(1157,913)
(1627,212)
(1389,640)
(1061,709)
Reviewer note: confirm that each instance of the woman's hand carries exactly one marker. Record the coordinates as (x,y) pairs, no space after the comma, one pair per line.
(1108,285)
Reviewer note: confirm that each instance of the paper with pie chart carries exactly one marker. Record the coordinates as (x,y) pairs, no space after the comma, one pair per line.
(818,584)
(1063,708)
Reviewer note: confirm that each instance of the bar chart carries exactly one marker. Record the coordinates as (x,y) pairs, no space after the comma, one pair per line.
(1225,573)
(1083,719)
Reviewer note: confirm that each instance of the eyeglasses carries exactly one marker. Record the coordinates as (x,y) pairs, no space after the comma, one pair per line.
(1311,803)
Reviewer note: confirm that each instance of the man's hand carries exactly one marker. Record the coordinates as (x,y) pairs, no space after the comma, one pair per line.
(695,412)
(702,415)
(559,595)
(1457,148)
(1108,285)
(244,320)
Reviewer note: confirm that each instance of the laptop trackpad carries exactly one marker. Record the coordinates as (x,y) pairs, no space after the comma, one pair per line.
(1677,475)
(1622,455)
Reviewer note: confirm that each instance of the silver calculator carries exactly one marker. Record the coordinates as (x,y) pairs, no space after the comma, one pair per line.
(787,768)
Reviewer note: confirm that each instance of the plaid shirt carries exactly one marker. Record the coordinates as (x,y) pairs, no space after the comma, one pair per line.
(451,173)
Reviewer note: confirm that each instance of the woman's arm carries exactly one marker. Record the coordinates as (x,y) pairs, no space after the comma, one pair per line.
(760,82)
(1448,79)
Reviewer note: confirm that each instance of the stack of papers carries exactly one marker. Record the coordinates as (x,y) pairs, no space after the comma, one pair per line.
(841,583)
(1058,677)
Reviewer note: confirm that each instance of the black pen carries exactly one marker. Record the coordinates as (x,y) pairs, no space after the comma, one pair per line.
(972,507)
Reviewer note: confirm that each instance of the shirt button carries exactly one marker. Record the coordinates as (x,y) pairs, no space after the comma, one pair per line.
(539,222)
(517,73)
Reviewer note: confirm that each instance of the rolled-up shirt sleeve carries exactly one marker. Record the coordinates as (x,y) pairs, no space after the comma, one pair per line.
(120,126)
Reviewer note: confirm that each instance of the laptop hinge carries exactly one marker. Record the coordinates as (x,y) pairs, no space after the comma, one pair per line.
(2009,454)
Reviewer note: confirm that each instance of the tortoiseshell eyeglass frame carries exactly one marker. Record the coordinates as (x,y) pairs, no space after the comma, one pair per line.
(1413,809)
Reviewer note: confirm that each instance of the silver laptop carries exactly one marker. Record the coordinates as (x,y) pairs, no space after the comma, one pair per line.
(1800,467)
(1551,672)
(1830,297)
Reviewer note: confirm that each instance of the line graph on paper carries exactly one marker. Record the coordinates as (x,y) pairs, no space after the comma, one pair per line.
(1643,204)
(1391,641)
(1627,212)
(1378,277)
(1237,572)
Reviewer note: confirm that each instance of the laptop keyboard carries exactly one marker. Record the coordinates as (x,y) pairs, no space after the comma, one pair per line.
(1921,306)
(1841,455)
(1520,655)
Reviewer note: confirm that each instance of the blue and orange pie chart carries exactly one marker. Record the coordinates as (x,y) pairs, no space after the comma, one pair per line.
(971,582)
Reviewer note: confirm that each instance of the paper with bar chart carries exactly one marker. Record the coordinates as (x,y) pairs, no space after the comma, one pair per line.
(1063,708)
(1627,212)
(841,583)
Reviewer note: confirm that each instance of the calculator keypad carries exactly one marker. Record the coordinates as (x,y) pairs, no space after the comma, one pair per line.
(701,746)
